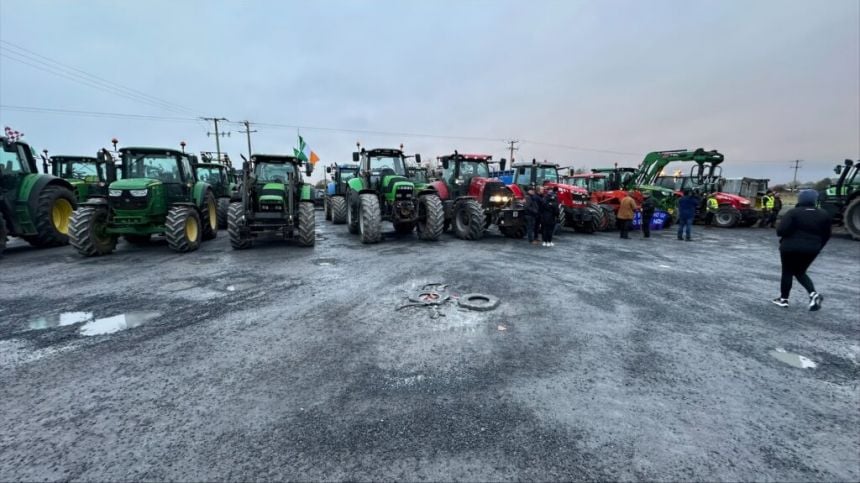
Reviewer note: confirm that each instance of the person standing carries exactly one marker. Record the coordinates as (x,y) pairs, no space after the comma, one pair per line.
(626,211)
(549,216)
(774,212)
(686,212)
(713,206)
(767,207)
(649,205)
(532,214)
(803,232)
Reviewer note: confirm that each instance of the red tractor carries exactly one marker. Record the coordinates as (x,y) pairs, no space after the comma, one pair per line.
(473,201)
(577,210)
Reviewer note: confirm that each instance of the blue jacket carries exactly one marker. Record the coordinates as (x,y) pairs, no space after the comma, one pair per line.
(687,206)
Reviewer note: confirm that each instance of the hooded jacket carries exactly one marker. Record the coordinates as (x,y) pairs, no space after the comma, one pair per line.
(804,228)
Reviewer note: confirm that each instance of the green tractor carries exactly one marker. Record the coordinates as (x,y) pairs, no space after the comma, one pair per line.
(382,192)
(217,171)
(842,200)
(35,207)
(157,195)
(334,203)
(274,201)
(89,176)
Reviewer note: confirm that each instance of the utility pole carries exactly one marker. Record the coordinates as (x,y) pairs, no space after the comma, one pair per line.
(796,167)
(511,147)
(217,133)
(248,132)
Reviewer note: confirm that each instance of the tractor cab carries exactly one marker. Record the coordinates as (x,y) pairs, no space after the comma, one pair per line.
(152,173)
(277,182)
(340,174)
(590,181)
(90,176)
(842,199)
(459,171)
(382,167)
(535,174)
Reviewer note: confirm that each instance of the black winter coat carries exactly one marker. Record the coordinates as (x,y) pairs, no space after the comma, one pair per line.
(649,205)
(533,205)
(804,229)
(549,210)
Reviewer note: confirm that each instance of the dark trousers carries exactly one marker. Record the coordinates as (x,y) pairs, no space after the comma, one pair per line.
(794,265)
(646,223)
(709,218)
(685,225)
(624,228)
(530,228)
(771,220)
(548,229)
(765,218)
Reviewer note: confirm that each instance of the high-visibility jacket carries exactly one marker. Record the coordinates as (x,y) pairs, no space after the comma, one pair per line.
(768,202)
(713,205)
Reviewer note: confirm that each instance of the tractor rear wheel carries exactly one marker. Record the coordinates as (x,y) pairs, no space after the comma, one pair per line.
(307,234)
(183,229)
(223,208)
(726,217)
(209,216)
(598,216)
(327,209)
(137,239)
(851,218)
(53,217)
(2,235)
(513,231)
(352,215)
(337,209)
(370,219)
(430,225)
(87,232)
(469,220)
(233,217)
(609,214)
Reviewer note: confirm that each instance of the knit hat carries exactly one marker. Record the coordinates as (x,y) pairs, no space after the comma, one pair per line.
(807,197)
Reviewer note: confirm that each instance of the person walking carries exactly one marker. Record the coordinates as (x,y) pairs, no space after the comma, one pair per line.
(626,211)
(803,232)
(713,206)
(549,216)
(774,212)
(532,213)
(649,205)
(686,212)
(767,207)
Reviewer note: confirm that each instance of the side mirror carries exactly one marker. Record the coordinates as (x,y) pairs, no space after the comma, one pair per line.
(417,158)
(355,157)
(838,169)
(309,168)
(849,163)
(502,163)
(328,169)
(445,163)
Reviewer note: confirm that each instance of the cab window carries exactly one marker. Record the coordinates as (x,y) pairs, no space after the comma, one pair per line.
(10,161)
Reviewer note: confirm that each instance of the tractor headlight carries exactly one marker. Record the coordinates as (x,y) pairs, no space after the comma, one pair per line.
(115,192)
(138,193)
(499,199)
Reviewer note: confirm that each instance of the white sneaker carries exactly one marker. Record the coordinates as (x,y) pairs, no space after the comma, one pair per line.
(815,300)
(552,244)
(543,244)
(780,302)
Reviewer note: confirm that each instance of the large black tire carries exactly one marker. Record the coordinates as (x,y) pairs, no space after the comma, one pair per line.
(513,231)
(726,217)
(433,219)
(137,239)
(469,220)
(233,216)
(609,215)
(86,232)
(307,234)
(851,218)
(352,214)
(2,235)
(209,216)
(370,219)
(53,217)
(183,229)
(599,216)
(338,210)
(327,209)
(223,208)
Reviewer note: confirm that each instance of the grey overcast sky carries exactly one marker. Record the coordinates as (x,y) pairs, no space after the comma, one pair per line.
(765,82)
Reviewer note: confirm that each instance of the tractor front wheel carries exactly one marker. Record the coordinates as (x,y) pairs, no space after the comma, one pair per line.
(726,218)
(183,229)
(468,220)
(53,217)
(433,219)
(2,235)
(337,207)
(370,219)
(237,241)
(609,215)
(209,216)
(223,208)
(87,232)
(851,218)
(352,215)
(307,234)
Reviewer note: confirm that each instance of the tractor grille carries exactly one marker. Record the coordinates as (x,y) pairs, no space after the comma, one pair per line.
(403,193)
(126,201)
(271,207)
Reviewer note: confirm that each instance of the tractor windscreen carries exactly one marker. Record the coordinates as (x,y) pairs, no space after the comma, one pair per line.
(275,173)
(209,174)
(474,168)
(10,161)
(674,183)
(88,171)
(163,167)
(546,174)
(347,174)
(387,165)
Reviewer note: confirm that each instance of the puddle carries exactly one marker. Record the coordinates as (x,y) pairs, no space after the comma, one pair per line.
(324,262)
(66,318)
(109,325)
(794,360)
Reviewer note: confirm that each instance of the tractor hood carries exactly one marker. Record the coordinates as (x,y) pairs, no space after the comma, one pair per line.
(734,200)
(134,184)
(273,192)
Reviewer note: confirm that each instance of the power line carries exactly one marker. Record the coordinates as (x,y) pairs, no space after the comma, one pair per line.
(112,115)
(248,132)
(216,133)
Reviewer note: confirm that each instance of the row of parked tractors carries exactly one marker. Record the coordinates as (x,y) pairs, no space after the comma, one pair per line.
(134,193)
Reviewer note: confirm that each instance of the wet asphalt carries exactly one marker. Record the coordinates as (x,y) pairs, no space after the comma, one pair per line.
(606,359)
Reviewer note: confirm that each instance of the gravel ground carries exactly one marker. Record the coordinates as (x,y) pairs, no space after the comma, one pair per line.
(606,359)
